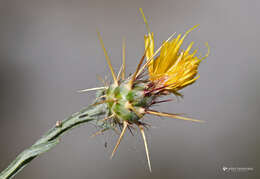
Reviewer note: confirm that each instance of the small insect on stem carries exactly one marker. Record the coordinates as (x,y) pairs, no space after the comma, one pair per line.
(58,123)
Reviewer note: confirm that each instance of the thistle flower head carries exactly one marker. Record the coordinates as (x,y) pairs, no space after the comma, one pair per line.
(129,99)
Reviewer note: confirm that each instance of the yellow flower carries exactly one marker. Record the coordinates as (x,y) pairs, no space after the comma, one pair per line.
(173,68)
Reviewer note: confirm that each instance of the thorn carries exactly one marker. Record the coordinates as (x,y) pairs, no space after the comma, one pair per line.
(137,69)
(107,59)
(156,89)
(119,139)
(146,125)
(92,89)
(123,57)
(129,128)
(146,148)
(99,132)
(120,126)
(100,97)
(162,101)
(109,117)
(172,116)
(119,73)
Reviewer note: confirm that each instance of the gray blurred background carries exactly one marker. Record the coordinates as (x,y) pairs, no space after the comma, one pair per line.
(49,49)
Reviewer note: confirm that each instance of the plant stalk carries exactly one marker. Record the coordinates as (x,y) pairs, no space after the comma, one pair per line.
(51,138)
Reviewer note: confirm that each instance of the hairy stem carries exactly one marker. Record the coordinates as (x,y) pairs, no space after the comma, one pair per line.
(51,138)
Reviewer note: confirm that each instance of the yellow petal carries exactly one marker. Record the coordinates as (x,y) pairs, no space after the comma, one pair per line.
(174,68)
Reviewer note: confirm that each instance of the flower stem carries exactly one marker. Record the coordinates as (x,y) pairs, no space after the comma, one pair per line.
(51,138)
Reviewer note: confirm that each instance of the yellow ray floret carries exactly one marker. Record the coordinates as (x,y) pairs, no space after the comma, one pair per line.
(173,68)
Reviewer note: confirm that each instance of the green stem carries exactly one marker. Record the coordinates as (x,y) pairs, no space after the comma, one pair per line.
(51,138)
